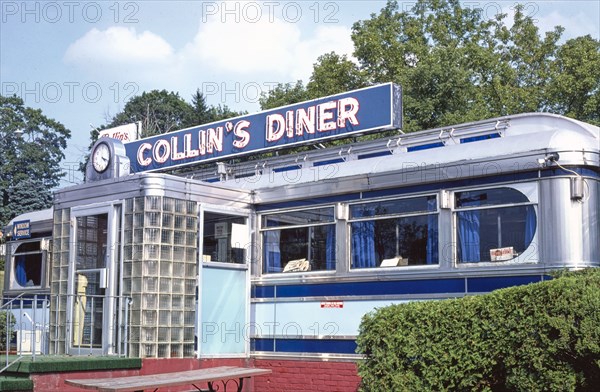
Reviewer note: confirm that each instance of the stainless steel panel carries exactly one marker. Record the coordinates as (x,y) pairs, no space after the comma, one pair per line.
(561,222)
(591,222)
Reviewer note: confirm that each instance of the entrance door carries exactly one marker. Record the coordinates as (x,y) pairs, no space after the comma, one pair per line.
(224,288)
(95,249)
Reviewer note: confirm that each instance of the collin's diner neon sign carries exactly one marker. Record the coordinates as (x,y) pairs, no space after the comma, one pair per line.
(359,111)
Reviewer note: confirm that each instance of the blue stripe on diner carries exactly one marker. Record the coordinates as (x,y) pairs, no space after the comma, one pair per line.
(425,147)
(478,138)
(328,162)
(312,201)
(423,286)
(331,346)
(397,287)
(375,154)
(263,291)
(477,285)
(260,344)
(583,171)
(286,168)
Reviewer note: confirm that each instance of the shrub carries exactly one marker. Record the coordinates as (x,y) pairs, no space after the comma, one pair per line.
(539,337)
(7,327)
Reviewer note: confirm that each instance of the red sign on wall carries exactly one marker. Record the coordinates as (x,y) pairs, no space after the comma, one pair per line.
(332,304)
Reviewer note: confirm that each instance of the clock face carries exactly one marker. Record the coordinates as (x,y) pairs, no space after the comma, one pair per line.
(101,157)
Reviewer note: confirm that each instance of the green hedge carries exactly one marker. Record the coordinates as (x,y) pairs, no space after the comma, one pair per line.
(7,328)
(539,337)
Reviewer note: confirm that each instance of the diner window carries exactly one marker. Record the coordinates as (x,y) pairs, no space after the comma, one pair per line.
(28,265)
(391,233)
(299,241)
(493,224)
(225,238)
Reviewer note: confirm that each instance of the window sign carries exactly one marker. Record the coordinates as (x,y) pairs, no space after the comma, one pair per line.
(21,230)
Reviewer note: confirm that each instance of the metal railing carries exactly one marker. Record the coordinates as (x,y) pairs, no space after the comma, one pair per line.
(26,320)
(93,329)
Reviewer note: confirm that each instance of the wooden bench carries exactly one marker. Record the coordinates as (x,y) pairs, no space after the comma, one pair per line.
(223,374)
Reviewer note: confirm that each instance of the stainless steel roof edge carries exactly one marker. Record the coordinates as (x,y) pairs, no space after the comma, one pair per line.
(147,184)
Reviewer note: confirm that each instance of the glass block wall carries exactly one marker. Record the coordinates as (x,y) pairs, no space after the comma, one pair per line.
(58,280)
(159,274)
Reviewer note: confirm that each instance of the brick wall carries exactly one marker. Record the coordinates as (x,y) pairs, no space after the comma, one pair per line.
(307,376)
(288,375)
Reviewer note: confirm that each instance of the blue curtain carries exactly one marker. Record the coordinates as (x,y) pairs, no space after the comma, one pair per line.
(20,272)
(363,241)
(432,233)
(530,225)
(272,251)
(468,234)
(330,248)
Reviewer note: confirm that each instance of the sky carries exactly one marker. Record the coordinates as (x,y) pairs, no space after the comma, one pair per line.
(81,61)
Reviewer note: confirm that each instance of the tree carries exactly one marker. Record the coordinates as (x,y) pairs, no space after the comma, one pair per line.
(159,111)
(7,327)
(333,74)
(200,112)
(32,148)
(283,94)
(575,89)
(456,66)
(162,112)
(222,112)
(31,194)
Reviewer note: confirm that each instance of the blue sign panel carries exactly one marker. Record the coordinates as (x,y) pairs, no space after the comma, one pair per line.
(21,230)
(355,112)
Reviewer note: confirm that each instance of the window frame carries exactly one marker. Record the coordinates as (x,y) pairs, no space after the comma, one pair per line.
(350,221)
(202,238)
(530,255)
(264,229)
(43,252)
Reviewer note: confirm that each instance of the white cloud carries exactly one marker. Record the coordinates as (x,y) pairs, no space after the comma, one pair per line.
(244,47)
(326,39)
(575,25)
(273,47)
(117,46)
(233,51)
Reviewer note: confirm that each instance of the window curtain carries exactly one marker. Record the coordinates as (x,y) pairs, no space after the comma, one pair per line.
(530,225)
(468,234)
(363,241)
(272,251)
(330,248)
(432,233)
(20,273)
